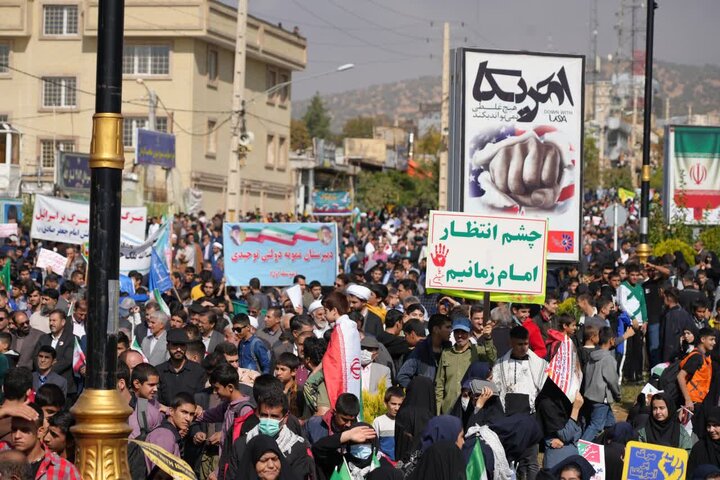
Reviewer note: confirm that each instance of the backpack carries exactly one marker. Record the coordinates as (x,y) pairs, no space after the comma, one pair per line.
(667,381)
(136,457)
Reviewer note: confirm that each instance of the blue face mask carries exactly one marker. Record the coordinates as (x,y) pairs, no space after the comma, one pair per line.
(269,426)
(361,452)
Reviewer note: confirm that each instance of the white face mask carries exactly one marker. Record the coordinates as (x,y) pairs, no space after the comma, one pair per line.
(365,358)
(465,401)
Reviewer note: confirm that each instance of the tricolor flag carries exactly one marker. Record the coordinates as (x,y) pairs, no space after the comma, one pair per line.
(476,464)
(564,369)
(341,363)
(78,358)
(136,346)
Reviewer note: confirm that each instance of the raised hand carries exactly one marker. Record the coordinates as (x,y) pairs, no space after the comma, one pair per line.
(440,255)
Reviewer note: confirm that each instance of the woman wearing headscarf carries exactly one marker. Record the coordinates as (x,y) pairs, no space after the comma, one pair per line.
(663,427)
(442,460)
(707,450)
(440,428)
(559,419)
(416,411)
(358,452)
(467,407)
(576,464)
(615,438)
(385,472)
(263,460)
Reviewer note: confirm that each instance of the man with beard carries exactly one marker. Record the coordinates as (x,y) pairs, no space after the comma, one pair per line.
(24,339)
(178,374)
(358,296)
(63,341)
(38,317)
(657,279)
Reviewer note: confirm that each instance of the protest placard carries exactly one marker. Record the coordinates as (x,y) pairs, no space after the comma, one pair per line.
(58,220)
(7,229)
(275,253)
(48,258)
(648,460)
(488,254)
(595,454)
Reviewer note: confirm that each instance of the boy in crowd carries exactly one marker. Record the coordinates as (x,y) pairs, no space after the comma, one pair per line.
(384,425)
(170,435)
(285,370)
(601,384)
(58,437)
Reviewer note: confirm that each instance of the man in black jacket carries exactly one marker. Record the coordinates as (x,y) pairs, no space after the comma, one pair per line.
(63,341)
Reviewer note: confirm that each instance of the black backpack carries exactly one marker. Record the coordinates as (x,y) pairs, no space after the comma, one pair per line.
(668,383)
(136,457)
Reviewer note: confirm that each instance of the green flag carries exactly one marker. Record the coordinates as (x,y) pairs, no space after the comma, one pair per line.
(342,473)
(5,275)
(476,465)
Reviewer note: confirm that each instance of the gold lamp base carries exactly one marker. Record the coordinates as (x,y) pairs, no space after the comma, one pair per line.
(643,252)
(101,435)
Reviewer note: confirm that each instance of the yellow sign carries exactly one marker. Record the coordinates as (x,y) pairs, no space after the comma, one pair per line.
(494,297)
(647,460)
(167,462)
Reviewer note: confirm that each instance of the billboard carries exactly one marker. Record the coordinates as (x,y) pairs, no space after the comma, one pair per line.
(73,172)
(517,133)
(276,252)
(692,174)
(326,202)
(155,148)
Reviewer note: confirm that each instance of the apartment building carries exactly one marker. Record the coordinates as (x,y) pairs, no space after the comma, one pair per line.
(183,52)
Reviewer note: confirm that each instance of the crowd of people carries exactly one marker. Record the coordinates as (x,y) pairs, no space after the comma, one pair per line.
(231,379)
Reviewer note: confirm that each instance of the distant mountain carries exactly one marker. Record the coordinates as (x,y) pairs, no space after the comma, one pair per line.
(685,85)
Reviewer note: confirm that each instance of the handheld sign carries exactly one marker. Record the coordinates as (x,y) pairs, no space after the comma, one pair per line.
(486,253)
(647,460)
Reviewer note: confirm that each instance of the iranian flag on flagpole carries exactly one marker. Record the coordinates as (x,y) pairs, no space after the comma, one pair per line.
(78,358)
(476,465)
(136,346)
(341,363)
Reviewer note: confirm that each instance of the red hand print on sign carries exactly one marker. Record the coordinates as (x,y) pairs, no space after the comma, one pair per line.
(441,253)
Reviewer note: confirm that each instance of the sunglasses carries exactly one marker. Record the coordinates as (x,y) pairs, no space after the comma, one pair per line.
(239,329)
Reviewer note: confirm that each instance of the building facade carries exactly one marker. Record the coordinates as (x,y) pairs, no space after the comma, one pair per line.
(180,52)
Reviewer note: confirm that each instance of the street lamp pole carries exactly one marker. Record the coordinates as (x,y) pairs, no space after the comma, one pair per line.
(102,429)
(643,250)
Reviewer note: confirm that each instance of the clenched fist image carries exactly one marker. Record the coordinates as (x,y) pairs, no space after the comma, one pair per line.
(521,171)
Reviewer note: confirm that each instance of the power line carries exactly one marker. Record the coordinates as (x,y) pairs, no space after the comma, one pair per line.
(372,22)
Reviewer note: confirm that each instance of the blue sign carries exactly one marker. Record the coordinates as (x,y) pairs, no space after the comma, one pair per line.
(649,461)
(73,172)
(326,202)
(10,211)
(276,252)
(155,148)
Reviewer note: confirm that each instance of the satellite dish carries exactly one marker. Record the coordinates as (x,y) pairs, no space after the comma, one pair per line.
(246,138)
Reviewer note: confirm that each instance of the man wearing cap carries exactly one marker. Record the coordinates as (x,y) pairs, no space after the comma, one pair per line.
(373,374)
(358,295)
(179,374)
(454,362)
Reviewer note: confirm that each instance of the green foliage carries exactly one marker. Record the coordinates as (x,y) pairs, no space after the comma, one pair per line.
(317,119)
(377,190)
(374,404)
(358,127)
(570,307)
(27,211)
(711,238)
(429,144)
(657,182)
(618,178)
(300,140)
(671,245)
(591,164)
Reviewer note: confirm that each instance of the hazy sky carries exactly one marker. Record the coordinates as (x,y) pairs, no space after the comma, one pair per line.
(389,40)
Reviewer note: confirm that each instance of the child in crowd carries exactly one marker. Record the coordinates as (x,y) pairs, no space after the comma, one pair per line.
(384,425)
(285,371)
(591,336)
(601,384)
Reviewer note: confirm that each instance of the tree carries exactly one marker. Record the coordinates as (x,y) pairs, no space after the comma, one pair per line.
(620,177)
(359,127)
(317,119)
(377,190)
(300,140)
(429,144)
(591,164)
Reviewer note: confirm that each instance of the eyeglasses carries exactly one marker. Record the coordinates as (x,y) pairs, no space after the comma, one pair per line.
(239,329)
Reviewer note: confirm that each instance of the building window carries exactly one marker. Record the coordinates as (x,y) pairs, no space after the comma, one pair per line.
(48,149)
(3,119)
(146,60)
(4,58)
(211,143)
(131,124)
(283,153)
(59,92)
(212,65)
(273,78)
(271,151)
(284,92)
(60,19)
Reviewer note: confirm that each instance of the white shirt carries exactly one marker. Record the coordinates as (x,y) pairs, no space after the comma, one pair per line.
(206,342)
(55,342)
(78,328)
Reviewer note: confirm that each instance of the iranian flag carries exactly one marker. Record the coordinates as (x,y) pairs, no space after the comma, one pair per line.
(476,464)
(564,369)
(78,358)
(341,363)
(136,346)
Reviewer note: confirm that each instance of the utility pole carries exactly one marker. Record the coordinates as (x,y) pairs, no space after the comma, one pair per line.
(444,120)
(101,431)
(233,192)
